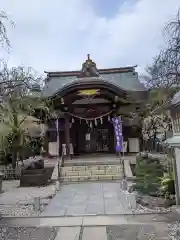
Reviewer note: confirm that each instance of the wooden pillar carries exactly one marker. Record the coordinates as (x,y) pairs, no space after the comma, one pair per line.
(67,136)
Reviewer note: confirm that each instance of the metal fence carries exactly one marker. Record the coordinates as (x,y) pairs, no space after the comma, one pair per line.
(161,150)
(9,173)
(154,145)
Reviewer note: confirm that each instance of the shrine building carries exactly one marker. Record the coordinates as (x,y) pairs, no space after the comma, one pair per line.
(85,102)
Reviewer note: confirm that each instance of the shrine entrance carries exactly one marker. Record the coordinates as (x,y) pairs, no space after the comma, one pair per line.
(85,102)
(97,140)
(92,139)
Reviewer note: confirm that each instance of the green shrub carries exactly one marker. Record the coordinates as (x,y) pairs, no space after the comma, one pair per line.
(167,185)
(148,172)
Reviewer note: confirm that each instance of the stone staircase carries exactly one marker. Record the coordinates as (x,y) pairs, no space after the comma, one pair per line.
(91,173)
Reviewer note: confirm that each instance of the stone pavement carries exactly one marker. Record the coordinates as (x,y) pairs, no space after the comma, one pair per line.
(88,199)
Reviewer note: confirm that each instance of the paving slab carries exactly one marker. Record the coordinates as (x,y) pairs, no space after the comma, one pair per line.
(80,210)
(63,221)
(96,209)
(104,220)
(114,209)
(90,233)
(60,212)
(87,199)
(68,233)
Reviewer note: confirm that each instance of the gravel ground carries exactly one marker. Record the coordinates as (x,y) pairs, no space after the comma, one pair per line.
(142,209)
(9,185)
(128,232)
(27,233)
(18,201)
(20,210)
(141,232)
(13,194)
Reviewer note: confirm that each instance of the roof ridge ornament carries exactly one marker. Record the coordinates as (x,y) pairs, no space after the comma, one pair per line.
(89,68)
(88,56)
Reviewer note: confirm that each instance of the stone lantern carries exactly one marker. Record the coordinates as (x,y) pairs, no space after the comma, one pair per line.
(174,141)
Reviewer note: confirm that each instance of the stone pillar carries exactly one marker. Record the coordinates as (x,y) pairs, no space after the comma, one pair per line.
(176,168)
(67,136)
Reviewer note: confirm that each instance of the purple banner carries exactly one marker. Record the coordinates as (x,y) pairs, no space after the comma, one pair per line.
(118,133)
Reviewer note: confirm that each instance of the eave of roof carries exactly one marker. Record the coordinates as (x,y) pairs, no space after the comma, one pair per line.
(101,71)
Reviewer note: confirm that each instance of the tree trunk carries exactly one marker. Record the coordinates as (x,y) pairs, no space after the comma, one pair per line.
(15,149)
(14,157)
(15,137)
(21,157)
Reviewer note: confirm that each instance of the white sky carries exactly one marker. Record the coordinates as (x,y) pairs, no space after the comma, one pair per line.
(58,34)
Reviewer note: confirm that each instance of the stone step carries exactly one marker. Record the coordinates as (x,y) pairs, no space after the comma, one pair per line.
(92,167)
(87,162)
(91,173)
(78,174)
(91,178)
(102,169)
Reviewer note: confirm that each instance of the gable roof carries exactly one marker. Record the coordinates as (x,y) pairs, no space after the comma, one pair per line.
(120,80)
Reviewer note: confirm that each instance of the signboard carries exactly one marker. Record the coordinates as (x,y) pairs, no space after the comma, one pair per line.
(118,133)
(89,92)
(88,137)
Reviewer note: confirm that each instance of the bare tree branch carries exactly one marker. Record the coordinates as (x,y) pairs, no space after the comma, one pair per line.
(4,40)
(163,80)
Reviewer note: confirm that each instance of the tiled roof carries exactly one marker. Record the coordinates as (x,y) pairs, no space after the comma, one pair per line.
(100,71)
(125,81)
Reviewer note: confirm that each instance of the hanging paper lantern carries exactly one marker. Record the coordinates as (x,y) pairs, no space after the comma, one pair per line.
(101,120)
(91,124)
(109,118)
(72,120)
